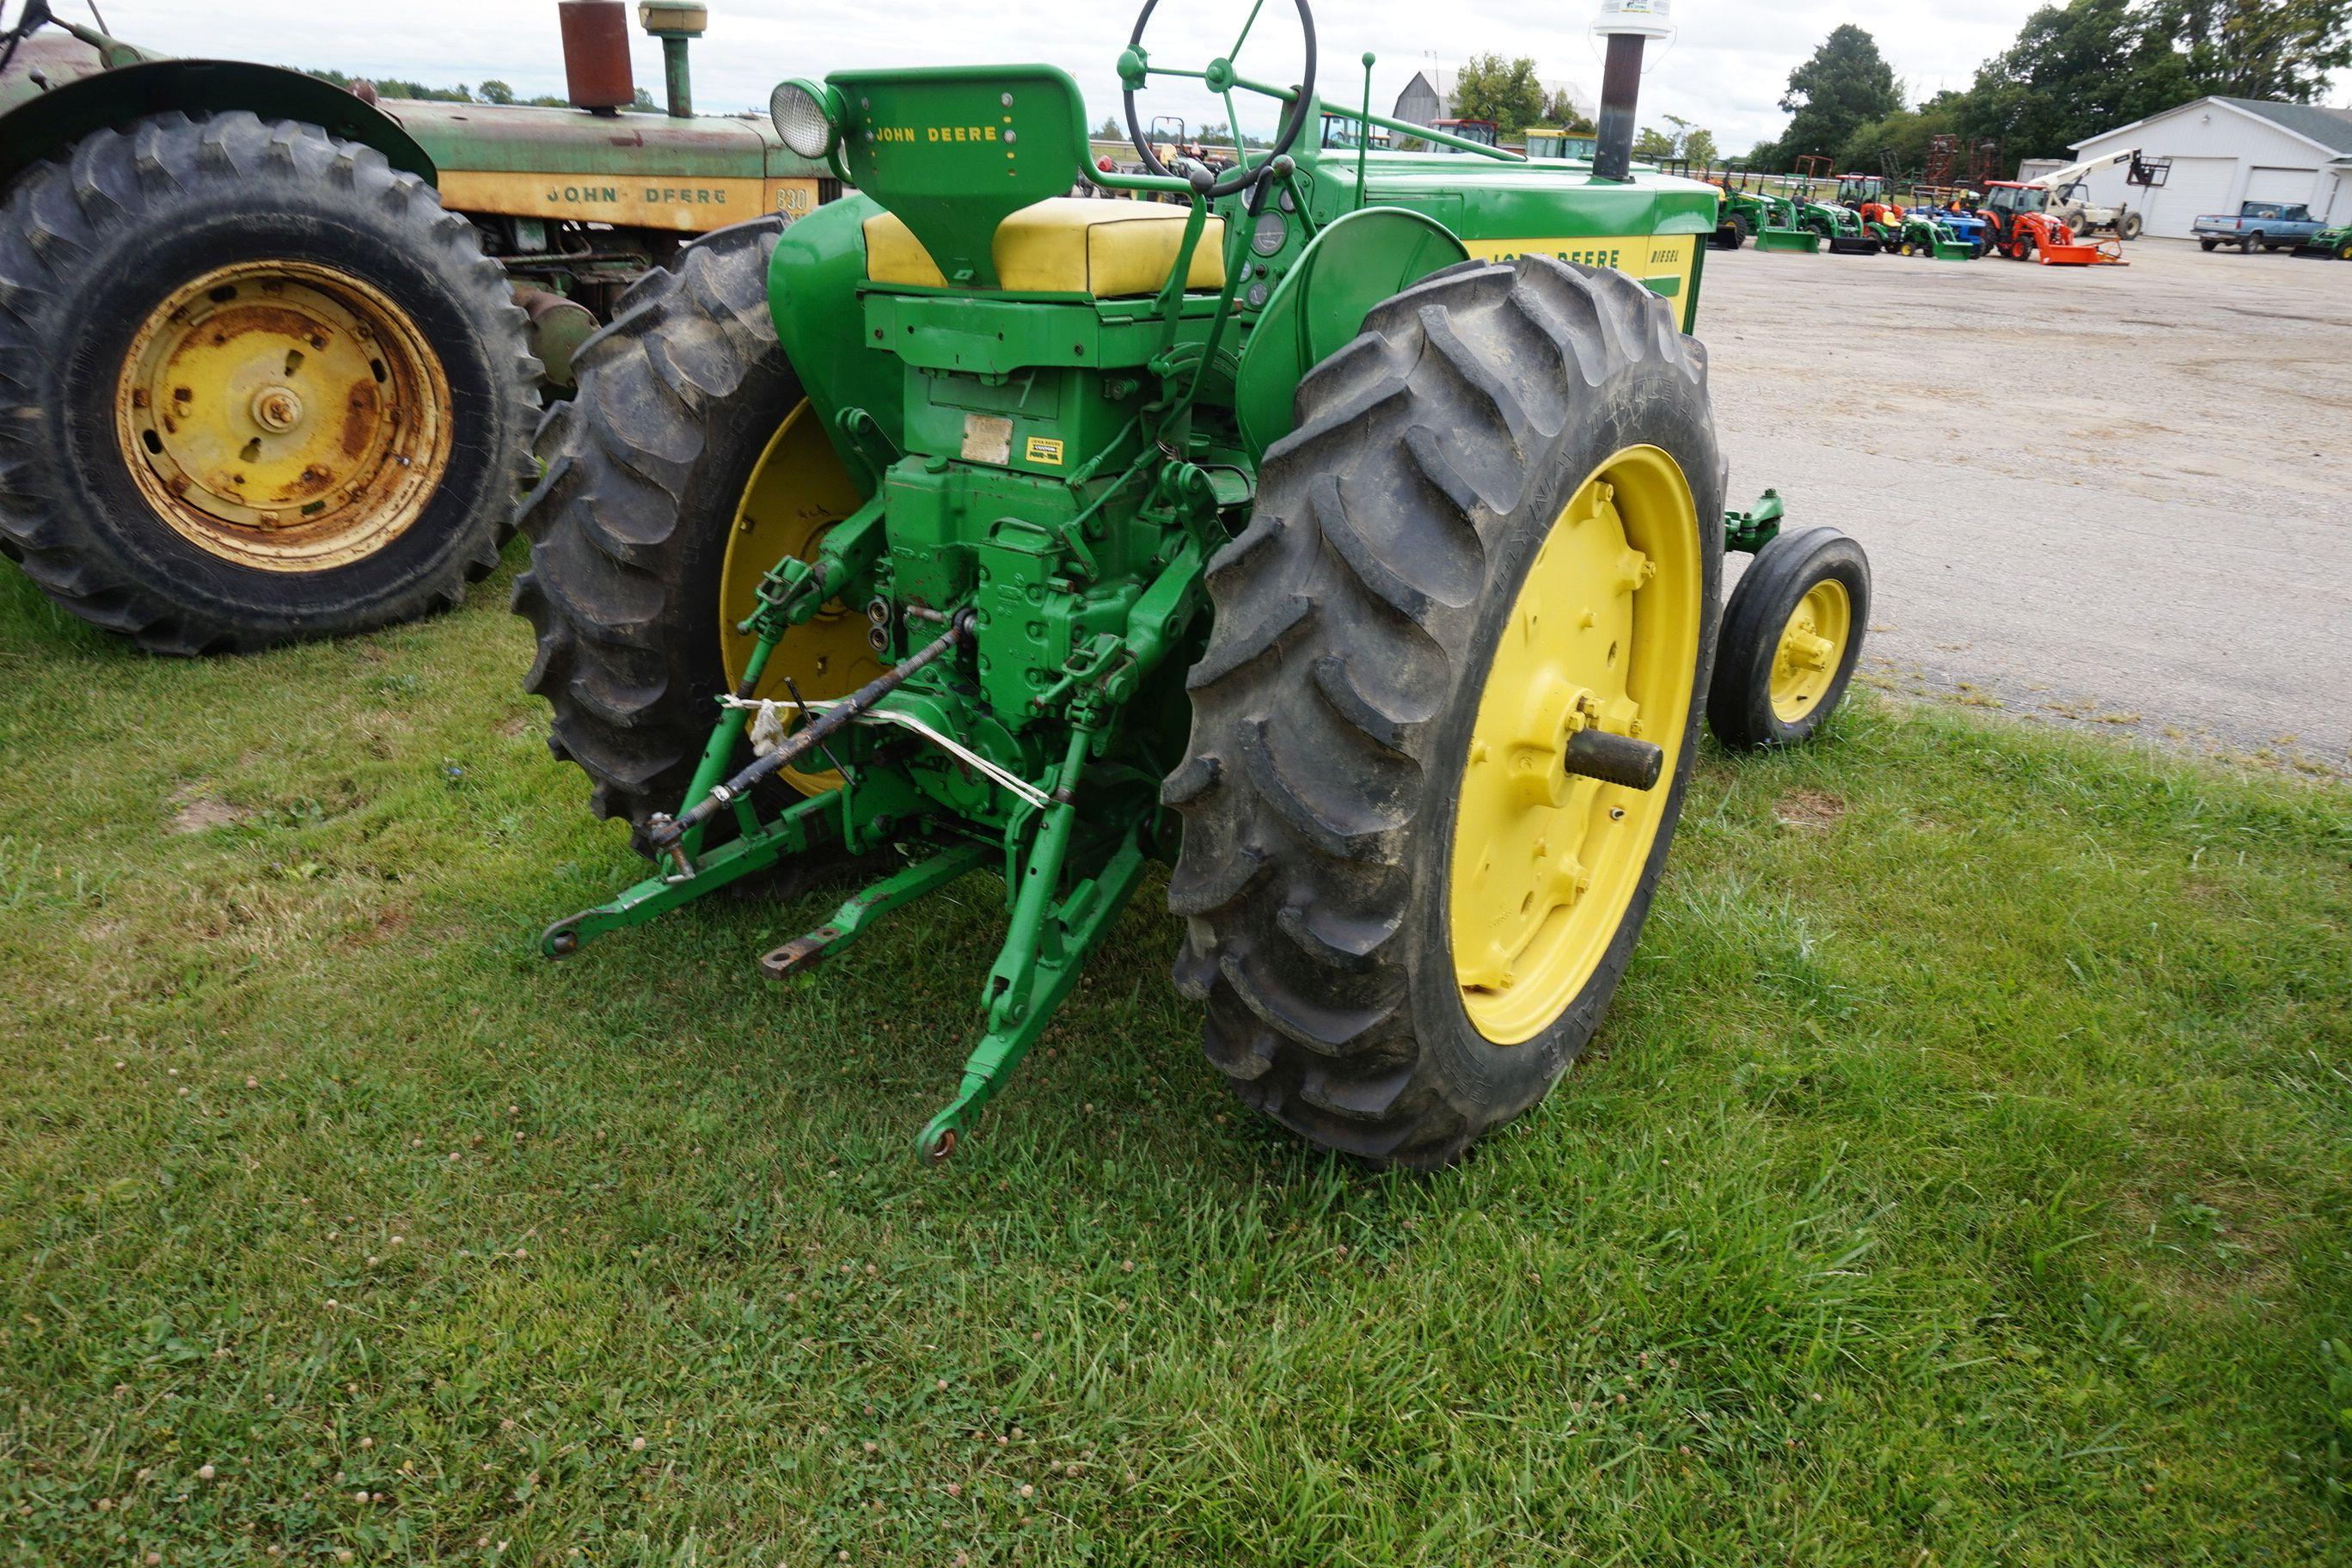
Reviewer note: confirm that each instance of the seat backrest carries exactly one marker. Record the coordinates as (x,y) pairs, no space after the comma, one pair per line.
(953,151)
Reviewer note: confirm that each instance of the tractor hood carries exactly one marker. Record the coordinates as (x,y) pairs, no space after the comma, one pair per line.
(649,171)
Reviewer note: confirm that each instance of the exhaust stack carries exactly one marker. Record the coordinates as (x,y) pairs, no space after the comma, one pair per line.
(675,23)
(1629,25)
(596,55)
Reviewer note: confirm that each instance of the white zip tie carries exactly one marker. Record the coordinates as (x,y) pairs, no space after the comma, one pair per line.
(767,710)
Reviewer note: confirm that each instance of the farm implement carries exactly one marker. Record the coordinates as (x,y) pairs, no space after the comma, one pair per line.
(1345,528)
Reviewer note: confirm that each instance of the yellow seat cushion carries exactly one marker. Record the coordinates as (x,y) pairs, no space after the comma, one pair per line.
(1066,244)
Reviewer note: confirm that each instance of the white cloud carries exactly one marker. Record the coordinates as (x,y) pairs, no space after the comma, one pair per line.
(1725,71)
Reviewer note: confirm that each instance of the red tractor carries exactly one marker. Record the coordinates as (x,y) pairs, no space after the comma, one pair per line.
(2019,225)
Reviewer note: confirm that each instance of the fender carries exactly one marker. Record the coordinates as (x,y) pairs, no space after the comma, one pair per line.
(41,127)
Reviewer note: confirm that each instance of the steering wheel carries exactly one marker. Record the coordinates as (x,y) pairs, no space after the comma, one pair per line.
(1134,67)
(35,14)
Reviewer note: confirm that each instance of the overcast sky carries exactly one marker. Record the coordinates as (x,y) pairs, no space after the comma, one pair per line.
(1725,71)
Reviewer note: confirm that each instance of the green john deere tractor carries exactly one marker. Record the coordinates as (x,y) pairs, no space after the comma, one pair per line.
(1346,527)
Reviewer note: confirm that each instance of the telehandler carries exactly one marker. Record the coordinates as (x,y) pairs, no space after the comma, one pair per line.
(1346,527)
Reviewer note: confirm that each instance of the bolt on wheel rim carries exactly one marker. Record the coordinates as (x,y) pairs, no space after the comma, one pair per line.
(1813,645)
(283,415)
(1603,631)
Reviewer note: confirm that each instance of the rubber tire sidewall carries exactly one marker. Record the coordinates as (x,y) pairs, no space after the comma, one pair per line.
(641,498)
(1739,700)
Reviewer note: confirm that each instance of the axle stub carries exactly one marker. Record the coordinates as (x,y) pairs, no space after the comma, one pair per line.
(1614,759)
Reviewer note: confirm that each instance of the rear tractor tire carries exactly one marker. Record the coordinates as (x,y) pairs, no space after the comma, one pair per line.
(1494,529)
(255,386)
(1791,636)
(685,467)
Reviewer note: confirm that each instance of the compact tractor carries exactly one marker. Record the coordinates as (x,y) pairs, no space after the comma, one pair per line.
(260,381)
(1911,231)
(1747,209)
(1839,226)
(2335,242)
(2019,226)
(1346,527)
(1953,208)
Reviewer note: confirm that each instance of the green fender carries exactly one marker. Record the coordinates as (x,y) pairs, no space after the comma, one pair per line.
(44,126)
(1350,267)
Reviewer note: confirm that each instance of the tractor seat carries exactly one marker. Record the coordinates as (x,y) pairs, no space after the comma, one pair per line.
(1066,244)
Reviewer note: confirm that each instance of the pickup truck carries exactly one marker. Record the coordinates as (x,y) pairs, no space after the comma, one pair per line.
(2267,225)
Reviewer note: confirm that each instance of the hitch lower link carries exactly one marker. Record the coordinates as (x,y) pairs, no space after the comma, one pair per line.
(1072,879)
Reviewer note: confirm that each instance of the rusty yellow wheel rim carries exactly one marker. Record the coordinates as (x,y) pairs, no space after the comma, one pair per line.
(1604,631)
(1813,645)
(797,491)
(283,415)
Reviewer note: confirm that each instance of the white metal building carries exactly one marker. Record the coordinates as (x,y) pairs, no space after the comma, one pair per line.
(2225,150)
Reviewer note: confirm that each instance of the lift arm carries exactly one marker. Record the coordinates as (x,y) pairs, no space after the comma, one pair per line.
(2059,179)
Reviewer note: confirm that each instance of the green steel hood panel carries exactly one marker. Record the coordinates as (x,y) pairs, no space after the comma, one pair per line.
(1512,201)
(514,139)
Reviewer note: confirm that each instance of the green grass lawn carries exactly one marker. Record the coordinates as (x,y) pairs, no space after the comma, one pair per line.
(1962,1177)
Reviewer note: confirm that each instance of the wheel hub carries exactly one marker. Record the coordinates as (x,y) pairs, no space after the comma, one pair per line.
(1602,635)
(283,415)
(276,409)
(1811,647)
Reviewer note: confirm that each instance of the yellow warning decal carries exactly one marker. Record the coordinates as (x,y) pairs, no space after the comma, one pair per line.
(1043,449)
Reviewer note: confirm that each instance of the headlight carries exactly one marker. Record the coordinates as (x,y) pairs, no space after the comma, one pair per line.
(804,119)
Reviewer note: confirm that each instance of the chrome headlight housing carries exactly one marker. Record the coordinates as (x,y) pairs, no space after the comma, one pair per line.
(807,115)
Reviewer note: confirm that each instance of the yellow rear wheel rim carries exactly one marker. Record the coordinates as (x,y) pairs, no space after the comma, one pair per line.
(1813,645)
(797,491)
(283,415)
(1604,631)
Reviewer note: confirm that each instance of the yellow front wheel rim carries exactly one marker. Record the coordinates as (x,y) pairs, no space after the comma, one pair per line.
(1604,631)
(1813,645)
(283,415)
(797,491)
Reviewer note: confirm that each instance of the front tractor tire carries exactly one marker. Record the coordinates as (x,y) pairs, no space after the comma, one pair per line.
(1792,636)
(1495,525)
(681,470)
(255,386)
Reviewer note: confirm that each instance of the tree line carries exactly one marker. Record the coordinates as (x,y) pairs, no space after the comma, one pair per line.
(2072,71)
(491,92)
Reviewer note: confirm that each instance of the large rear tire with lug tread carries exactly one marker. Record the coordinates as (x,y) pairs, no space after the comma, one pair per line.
(255,386)
(1791,636)
(1497,523)
(679,471)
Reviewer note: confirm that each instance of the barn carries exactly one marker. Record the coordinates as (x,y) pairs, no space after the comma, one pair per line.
(2225,150)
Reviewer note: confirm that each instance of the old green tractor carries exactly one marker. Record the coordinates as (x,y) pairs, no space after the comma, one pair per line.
(1346,527)
(261,381)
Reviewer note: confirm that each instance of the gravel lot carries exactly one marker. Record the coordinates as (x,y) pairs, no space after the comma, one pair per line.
(2110,497)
